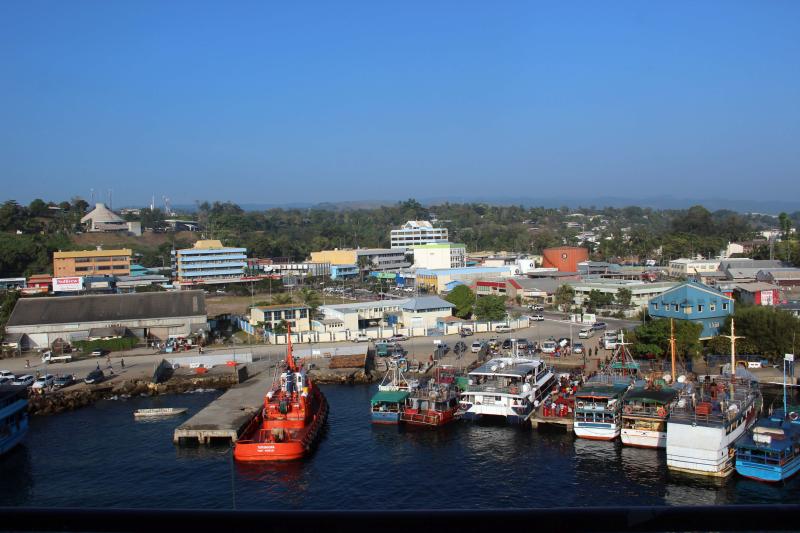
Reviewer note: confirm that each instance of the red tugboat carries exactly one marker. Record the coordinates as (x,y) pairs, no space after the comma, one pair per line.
(291,420)
(433,405)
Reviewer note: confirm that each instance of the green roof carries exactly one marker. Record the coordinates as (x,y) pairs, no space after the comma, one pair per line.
(390,396)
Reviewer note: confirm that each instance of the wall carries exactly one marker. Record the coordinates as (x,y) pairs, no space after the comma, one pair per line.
(564,258)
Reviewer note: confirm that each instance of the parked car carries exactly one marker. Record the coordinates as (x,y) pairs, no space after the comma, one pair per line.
(534,307)
(63,381)
(43,382)
(536,318)
(100,353)
(503,328)
(459,347)
(23,381)
(563,342)
(506,345)
(577,348)
(361,337)
(95,376)
(465,332)
(598,326)
(523,344)
(476,346)
(6,381)
(397,337)
(549,347)
(586,333)
(7,374)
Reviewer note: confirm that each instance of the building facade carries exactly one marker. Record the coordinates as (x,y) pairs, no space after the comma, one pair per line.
(417,232)
(439,255)
(641,292)
(419,312)
(681,268)
(694,302)
(368,259)
(208,260)
(298,317)
(564,258)
(92,263)
(437,280)
(340,272)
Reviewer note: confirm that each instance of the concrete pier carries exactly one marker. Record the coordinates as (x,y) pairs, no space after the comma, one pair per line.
(227,416)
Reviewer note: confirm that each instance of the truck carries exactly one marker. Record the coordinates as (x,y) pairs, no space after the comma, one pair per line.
(48,357)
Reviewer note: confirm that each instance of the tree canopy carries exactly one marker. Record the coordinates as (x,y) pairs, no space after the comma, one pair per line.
(464,300)
(490,308)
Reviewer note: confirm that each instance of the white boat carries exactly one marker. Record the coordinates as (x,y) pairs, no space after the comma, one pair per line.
(644,416)
(164,411)
(506,387)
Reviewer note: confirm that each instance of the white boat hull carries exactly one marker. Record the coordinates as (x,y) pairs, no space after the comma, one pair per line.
(643,438)
(701,449)
(596,431)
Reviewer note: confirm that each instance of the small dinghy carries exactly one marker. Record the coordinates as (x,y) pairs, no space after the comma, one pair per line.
(164,411)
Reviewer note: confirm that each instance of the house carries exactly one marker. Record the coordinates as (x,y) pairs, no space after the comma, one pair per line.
(757,293)
(782,277)
(298,317)
(490,288)
(694,302)
(681,268)
(419,312)
(436,280)
(641,292)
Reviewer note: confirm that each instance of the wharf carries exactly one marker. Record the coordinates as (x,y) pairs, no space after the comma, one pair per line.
(227,416)
(538,420)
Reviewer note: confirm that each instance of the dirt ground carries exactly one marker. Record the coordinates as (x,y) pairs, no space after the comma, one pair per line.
(147,240)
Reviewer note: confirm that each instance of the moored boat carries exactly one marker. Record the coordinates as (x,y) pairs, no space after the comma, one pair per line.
(290,421)
(13,416)
(159,412)
(644,415)
(387,404)
(433,405)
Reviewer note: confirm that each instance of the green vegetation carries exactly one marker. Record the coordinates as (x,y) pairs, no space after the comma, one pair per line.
(653,338)
(464,300)
(767,331)
(114,345)
(490,308)
(565,296)
(8,299)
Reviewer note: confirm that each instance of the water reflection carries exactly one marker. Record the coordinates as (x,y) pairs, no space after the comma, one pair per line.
(16,482)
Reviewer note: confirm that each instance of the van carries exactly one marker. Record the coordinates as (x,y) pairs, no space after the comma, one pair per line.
(549,347)
(586,333)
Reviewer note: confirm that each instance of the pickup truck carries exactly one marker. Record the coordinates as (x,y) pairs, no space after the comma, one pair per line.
(48,357)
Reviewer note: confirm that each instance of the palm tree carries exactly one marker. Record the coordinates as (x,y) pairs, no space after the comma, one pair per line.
(310,299)
(282,298)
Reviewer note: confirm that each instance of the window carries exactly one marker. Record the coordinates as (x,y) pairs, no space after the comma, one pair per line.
(303,313)
(724,306)
(675,307)
(712,307)
(104,268)
(699,308)
(655,306)
(267,316)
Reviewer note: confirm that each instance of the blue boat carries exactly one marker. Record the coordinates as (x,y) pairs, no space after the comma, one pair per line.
(771,450)
(387,404)
(13,416)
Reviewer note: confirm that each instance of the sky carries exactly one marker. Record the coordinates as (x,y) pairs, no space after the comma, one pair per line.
(273,102)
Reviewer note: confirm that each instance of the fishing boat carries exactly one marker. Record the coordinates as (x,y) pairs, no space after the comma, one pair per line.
(598,404)
(387,404)
(13,416)
(646,409)
(507,388)
(435,404)
(159,412)
(709,418)
(291,420)
(771,450)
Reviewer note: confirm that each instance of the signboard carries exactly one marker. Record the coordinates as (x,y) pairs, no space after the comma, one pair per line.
(789,357)
(766,298)
(73,284)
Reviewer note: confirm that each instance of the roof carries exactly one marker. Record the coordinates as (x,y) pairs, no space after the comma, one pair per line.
(101,213)
(107,308)
(431,245)
(749,263)
(390,396)
(689,286)
(789,273)
(662,396)
(92,253)
(422,303)
(520,367)
(756,286)
(465,270)
(280,306)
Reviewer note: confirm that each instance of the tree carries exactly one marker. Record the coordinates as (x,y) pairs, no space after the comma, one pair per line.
(767,331)
(654,336)
(37,208)
(310,299)
(281,328)
(623,297)
(490,308)
(599,299)
(464,300)
(565,297)
(282,298)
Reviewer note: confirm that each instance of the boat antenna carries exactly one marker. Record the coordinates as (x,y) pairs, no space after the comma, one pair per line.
(289,357)
(672,346)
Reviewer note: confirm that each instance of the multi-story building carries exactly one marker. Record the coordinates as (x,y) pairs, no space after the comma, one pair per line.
(97,262)
(641,292)
(368,259)
(695,302)
(680,268)
(441,280)
(209,260)
(416,232)
(344,272)
(296,316)
(439,255)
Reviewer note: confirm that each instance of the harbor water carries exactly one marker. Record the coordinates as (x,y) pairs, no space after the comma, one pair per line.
(101,457)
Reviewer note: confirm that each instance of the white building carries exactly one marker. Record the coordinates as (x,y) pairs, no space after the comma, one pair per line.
(641,291)
(680,268)
(439,255)
(415,232)
(420,312)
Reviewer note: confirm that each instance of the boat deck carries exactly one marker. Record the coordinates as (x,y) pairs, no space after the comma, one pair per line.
(227,416)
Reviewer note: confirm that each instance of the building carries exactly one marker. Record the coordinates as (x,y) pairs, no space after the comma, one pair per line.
(297,316)
(11,284)
(419,312)
(436,280)
(38,284)
(149,315)
(641,292)
(208,261)
(792,307)
(538,290)
(341,272)
(782,277)
(564,258)
(102,219)
(130,283)
(417,232)
(368,259)
(694,302)
(439,255)
(681,268)
(304,269)
(97,262)
(757,293)
(491,288)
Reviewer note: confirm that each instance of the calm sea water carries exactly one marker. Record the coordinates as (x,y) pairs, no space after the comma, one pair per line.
(101,457)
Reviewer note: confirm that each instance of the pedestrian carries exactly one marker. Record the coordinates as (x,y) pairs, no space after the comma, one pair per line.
(122,362)
(27,363)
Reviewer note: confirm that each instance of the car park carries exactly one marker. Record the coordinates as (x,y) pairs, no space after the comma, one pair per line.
(6,381)
(549,347)
(506,344)
(43,381)
(63,381)
(95,376)
(523,344)
(23,381)
(476,346)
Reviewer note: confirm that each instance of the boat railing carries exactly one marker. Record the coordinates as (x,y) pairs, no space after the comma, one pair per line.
(493,387)
(420,418)
(648,411)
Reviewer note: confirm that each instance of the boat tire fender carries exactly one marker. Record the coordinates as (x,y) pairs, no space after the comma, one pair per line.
(793,415)
(661,412)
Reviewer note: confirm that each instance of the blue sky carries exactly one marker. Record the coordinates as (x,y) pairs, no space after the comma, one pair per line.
(269,102)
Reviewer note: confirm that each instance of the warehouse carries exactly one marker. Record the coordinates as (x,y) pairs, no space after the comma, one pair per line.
(149,315)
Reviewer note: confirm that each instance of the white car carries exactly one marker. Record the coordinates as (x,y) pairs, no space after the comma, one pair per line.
(44,381)
(23,381)
(361,337)
(503,328)
(549,347)
(535,318)
(7,374)
(476,346)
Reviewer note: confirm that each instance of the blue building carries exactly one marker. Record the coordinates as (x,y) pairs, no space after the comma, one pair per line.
(209,261)
(695,302)
(344,271)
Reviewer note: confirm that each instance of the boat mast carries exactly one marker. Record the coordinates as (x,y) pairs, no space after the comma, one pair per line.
(289,357)
(672,346)
(733,338)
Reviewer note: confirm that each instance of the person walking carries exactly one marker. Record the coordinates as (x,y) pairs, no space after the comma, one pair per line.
(122,363)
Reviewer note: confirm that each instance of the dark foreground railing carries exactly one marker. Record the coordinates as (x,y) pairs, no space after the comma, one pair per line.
(715,518)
